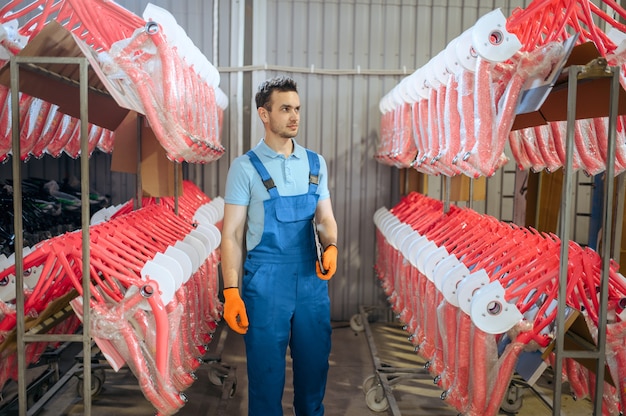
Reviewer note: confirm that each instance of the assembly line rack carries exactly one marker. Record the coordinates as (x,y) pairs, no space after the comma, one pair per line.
(379,397)
(597,69)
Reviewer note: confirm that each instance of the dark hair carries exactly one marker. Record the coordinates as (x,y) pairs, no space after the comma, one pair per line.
(280,83)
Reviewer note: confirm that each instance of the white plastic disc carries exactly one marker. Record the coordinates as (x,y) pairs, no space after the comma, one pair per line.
(430,75)
(172,265)
(432,260)
(213,234)
(198,245)
(414,251)
(441,269)
(201,217)
(387,223)
(191,252)
(491,40)
(440,68)
(204,238)
(451,59)
(164,279)
(183,260)
(7,291)
(465,52)
(491,312)
(420,85)
(402,233)
(32,275)
(423,254)
(407,244)
(468,286)
(380,214)
(451,281)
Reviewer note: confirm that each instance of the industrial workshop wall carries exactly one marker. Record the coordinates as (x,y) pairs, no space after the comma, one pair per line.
(345,55)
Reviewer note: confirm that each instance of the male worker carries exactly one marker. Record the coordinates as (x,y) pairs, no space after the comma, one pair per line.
(279,190)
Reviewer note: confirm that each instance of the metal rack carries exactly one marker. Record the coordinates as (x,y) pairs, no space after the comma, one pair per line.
(24,337)
(378,388)
(596,69)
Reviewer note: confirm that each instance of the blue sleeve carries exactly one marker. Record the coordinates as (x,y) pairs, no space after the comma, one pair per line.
(322,188)
(238,182)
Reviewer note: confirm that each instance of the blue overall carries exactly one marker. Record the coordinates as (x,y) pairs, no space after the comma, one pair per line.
(287,304)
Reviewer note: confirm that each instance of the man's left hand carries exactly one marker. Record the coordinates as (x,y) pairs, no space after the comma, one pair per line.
(329,261)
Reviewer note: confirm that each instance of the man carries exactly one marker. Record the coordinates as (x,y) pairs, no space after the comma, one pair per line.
(279,190)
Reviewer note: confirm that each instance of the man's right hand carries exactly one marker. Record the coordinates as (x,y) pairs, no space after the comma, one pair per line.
(235,311)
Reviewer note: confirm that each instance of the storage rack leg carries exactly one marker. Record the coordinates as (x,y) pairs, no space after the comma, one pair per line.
(378,388)
(221,374)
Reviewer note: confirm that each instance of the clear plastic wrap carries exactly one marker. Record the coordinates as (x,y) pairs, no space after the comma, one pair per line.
(484,357)
(177,87)
(150,65)
(138,346)
(447,315)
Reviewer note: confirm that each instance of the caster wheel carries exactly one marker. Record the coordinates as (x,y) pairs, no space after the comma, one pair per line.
(376,400)
(97,381)
(356,323)
(233,389)
(512,402)
(215,377)
(368,383)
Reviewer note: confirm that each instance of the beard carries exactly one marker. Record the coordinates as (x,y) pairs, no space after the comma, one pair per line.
(286,133)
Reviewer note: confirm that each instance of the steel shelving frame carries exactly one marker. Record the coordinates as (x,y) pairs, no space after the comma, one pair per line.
(596,69)
(31,63)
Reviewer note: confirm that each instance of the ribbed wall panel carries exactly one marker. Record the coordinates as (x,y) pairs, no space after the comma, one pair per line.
(340,115)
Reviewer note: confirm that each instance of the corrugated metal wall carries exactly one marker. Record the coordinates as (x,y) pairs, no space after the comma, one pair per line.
(345,56)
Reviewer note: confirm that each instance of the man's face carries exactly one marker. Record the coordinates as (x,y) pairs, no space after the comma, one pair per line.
(284,118)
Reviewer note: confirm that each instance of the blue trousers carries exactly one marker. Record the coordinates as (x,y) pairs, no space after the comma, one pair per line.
(287,305)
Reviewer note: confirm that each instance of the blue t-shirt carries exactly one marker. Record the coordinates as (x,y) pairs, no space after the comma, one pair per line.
(290,175)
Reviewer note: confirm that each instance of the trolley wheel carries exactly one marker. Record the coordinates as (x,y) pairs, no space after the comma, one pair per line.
(376,400)
(369,382)
(356,323)
(233,389)
(512,402)
(48,380)
(98,376)
(216,377)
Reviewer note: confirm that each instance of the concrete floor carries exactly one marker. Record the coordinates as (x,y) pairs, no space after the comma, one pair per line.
(351,363)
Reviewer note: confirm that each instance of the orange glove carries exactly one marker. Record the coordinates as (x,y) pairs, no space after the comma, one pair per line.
(329,261)
(235,311)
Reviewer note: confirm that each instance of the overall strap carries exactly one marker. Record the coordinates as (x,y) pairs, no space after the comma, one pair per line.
(265,175)
(314,170)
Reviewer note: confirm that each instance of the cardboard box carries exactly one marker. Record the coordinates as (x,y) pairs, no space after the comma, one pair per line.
(54,313)
(413,181)
(460,188)
(157,171)
(592,94)
(578,338)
